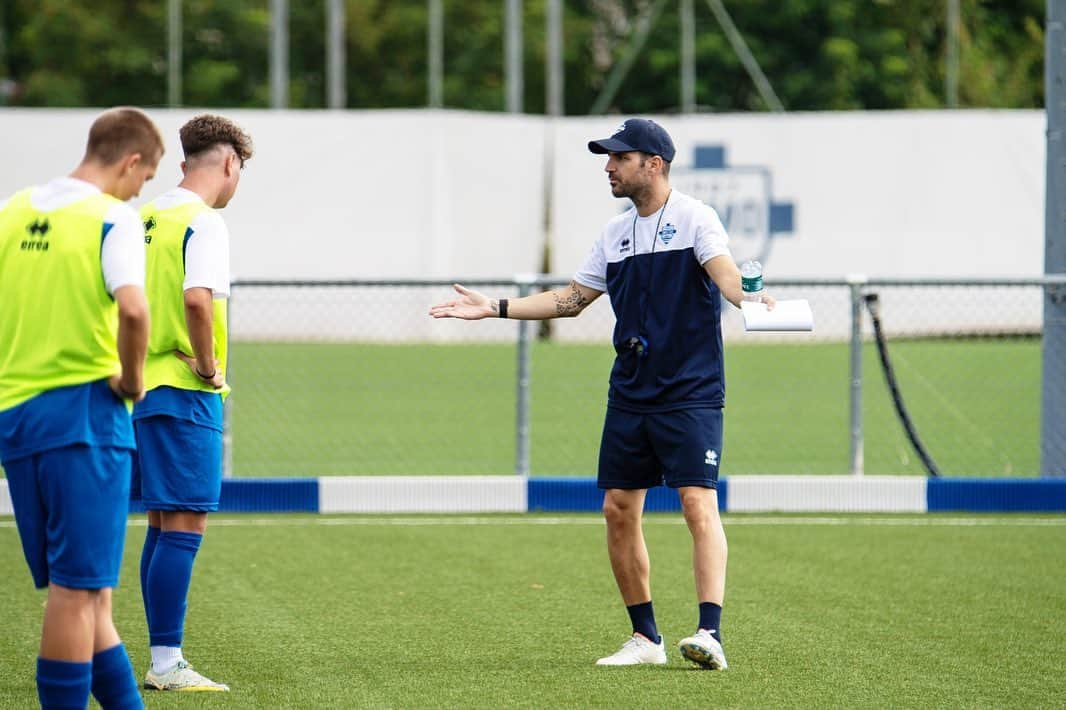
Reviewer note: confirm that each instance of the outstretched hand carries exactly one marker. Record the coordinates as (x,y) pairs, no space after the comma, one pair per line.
(471,305)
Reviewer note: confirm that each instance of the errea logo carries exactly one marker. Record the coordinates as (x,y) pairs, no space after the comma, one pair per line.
(149,225)
(38,230)
(620,128)
(711,457)
(39,227)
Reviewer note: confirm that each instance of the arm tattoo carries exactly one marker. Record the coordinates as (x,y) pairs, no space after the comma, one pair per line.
(570,305)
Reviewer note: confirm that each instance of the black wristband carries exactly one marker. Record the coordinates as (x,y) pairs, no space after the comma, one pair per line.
(503,308)
(202,376)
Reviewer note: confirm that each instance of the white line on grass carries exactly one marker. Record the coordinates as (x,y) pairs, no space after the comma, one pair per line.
(752,520)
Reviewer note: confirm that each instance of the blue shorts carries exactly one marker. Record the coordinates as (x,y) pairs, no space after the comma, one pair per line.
(70,507)
(678,448)
(178,466)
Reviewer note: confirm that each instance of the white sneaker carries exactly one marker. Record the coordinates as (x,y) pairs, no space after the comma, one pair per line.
(182,677)
(637,650)
(704,650)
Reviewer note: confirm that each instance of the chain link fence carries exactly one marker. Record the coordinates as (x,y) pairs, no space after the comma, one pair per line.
(355,378)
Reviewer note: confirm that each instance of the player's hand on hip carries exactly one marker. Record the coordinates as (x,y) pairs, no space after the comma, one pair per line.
(124,389)
(471,305)
(215,378)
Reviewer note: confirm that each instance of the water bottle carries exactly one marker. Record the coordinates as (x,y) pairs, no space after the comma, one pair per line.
(751,280)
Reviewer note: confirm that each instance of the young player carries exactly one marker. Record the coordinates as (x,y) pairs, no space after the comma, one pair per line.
(179,422)
(74,325)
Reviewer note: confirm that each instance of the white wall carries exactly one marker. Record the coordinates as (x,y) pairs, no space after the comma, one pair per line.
(917,193)
(442,194)
(909,194)
(372,194)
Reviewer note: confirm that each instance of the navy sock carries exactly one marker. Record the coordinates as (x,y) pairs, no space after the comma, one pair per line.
(114,685)
(62,685)
(169,576)
(643,618)
(150,541)
(711,619)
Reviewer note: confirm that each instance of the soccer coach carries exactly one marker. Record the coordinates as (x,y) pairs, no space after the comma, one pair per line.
(665,264)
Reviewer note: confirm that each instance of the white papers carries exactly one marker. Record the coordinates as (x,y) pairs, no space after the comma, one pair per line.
(786,315)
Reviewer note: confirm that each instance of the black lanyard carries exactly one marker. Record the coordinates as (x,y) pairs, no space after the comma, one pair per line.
(639,342)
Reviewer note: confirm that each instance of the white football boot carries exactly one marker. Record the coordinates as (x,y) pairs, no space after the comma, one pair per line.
(635,651)
(704,650)
(182,678)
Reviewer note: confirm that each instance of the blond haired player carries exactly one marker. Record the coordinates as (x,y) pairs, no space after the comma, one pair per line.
(74,324)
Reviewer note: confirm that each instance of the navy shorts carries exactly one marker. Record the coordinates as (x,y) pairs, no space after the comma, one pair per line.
(678,448)
(179,465)
(71,506)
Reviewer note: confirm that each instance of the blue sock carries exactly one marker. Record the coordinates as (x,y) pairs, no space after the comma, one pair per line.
(150,541)
(643,618)
(114,685)
(62,685)
(711,619)
(169,576)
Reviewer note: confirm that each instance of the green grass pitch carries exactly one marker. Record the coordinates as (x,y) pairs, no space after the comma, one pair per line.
(512,611)
(317,409)
(334,409)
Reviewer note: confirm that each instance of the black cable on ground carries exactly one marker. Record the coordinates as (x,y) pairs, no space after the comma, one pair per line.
(873,304)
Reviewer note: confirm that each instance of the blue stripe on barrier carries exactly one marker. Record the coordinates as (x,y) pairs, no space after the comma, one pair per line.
(269,495)
(996,495)
(563,494)
(263,495)
(582,495)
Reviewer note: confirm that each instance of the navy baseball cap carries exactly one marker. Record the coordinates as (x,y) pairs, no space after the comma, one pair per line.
(641,134)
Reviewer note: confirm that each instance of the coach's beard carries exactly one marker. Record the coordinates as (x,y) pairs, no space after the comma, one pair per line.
(640,195)
(619,190)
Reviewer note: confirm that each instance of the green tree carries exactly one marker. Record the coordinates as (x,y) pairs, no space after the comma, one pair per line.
(817,54)
(64,53)
(225,52)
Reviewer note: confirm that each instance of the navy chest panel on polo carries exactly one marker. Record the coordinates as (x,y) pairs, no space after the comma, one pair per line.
(664,297)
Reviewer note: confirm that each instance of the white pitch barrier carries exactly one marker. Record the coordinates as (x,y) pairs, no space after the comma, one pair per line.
(827,494)
(739,494)
(422,494)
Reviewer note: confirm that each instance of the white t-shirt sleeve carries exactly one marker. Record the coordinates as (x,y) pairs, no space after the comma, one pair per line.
(122,253)
(711,239)
(593,273)
(207,255)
